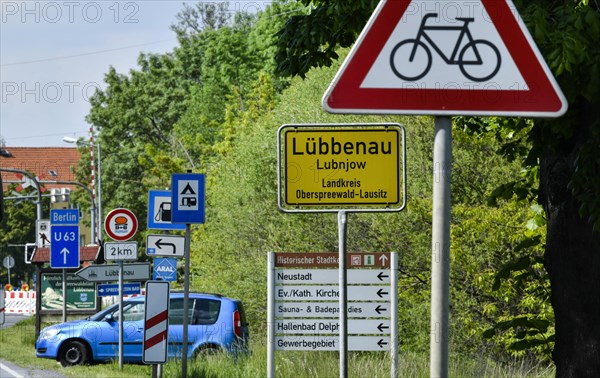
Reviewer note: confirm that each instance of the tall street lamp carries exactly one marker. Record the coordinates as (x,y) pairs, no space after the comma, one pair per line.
(80,142)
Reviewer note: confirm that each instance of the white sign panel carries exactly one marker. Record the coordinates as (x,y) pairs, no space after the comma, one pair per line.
(332,309)
(331,293)
(156,322)
(107,273)
(331,327)
(319,343)
(165,245)
(331,276)
(120,251)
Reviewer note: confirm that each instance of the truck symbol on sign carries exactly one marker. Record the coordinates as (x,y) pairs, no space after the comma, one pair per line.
(120,224)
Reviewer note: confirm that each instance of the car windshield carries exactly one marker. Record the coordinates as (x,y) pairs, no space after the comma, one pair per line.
(114,309)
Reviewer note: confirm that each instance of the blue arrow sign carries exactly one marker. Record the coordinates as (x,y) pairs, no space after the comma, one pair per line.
(165,269)
(64,247)
(107,290)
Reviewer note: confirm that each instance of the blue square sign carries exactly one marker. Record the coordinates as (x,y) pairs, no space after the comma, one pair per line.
(187,198)
(64,247)
(160,211)
(165,269)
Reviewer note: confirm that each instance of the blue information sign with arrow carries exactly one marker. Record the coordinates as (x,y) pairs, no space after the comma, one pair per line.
(64,238)
(130,288)
(64,247)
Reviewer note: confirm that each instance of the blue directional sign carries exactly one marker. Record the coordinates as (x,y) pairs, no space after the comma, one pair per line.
(160,210)
(64,216)
(187,198)
(64,247)
(130,288)
(165,269)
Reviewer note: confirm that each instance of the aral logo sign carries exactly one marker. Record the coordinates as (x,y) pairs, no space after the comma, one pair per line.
(339,166)
(165,269)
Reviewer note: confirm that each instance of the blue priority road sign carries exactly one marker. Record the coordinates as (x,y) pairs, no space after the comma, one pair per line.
(187,198)
(64,246)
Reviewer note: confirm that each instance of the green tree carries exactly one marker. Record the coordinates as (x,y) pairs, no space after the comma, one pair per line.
(166,115)
(18,228)
(565,150)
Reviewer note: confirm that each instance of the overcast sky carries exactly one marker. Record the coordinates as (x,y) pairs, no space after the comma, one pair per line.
(53,54)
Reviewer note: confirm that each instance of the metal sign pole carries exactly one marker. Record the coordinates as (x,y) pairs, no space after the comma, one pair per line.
(186,295)
(342,231)
(121,314)
(271,315)
(64,290)
(394,314)
(440,241)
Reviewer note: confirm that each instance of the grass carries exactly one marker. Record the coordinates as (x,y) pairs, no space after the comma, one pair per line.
(17,346)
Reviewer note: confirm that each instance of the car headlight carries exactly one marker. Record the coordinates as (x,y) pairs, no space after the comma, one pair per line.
(50,332)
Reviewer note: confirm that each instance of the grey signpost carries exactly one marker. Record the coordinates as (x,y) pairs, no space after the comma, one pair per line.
(187,207)
(121,225)
(302,314)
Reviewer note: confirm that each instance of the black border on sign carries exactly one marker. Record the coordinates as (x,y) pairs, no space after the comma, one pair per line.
(357,206)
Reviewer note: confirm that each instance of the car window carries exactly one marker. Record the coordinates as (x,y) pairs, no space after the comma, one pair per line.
(132,312)
(100,315)
(201,311)
(176,310)
(206,311)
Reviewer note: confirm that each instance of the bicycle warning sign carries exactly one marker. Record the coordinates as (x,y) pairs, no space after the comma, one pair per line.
(445,58)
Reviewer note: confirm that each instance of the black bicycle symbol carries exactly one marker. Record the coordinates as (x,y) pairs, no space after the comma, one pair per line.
(470,57)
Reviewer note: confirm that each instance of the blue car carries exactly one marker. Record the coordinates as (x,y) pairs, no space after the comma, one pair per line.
(215,323)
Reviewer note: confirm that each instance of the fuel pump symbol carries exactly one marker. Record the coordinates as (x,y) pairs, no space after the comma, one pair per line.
(164,212)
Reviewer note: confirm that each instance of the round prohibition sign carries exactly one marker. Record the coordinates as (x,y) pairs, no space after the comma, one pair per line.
(120,224)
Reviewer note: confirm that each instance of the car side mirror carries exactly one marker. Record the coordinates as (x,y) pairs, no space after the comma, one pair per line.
(109,318)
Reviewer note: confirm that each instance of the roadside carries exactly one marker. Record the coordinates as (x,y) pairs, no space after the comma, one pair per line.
(10,369)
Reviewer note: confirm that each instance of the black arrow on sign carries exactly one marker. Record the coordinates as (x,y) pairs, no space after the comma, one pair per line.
(381,327)
(381,293)
(159,245)
(382,275)
(381,343)
(380,309)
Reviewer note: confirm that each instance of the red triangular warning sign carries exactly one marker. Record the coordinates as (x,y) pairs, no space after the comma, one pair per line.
(445,58)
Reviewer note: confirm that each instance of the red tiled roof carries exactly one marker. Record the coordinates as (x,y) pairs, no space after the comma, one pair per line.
(39,161)
(90,253)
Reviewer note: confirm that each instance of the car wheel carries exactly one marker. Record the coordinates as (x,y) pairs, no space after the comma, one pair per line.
(73,353)
(206,351)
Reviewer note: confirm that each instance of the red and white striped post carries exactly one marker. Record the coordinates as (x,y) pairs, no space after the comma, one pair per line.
(156,322)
